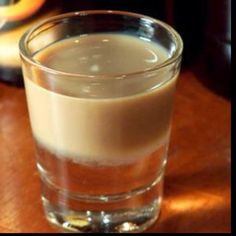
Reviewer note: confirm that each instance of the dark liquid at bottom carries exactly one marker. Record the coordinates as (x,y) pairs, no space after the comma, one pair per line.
(124,193)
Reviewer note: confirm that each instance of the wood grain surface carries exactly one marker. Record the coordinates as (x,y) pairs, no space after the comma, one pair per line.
(197,190)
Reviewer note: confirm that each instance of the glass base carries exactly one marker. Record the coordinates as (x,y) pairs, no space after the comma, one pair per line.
(127,220)
(92,199)
(129,212)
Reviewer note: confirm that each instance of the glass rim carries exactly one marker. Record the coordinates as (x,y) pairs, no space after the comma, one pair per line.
(25,53)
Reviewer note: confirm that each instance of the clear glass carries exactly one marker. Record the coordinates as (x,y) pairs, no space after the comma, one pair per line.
(101,187)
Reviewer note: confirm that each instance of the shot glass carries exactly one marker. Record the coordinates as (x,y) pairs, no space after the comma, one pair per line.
(100,87)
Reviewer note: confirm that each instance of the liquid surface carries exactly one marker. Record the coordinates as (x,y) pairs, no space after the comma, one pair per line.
(106,54)
(105,130)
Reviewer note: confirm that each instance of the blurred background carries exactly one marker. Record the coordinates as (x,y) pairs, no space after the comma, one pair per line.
(205,26)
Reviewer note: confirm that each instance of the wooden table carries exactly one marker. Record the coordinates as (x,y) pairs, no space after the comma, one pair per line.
(197,182)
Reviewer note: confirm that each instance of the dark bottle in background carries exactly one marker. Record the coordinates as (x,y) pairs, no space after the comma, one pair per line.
(218,45)
(205,26)
(154,8)
(189,18)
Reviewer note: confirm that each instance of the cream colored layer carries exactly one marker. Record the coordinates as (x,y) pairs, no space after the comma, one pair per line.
(105,131)
(107,123)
